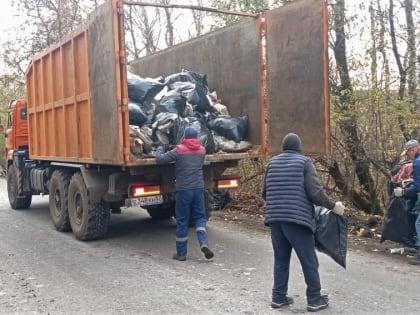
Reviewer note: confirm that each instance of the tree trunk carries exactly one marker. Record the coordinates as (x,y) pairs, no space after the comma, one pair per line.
(411,49)
(348,120)
(401,70)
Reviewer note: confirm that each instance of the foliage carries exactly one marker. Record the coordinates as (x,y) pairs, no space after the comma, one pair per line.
(253,6)
(50,21)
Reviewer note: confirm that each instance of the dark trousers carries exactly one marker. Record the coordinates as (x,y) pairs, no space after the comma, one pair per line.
(190,204)
(286,236)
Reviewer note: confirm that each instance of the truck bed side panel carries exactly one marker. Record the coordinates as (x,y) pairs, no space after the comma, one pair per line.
(59,104)
(230,58)
(72,102)
(297,80)
(103,80)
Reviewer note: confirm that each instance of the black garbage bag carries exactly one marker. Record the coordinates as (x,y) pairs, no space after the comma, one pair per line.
(172,102)
(187,76)
(232,128)
(203,105)
(217,199)
(204,134)
(149,108)
(140,89)
(331,235)
(187,89)
(136,115)
(396,226)
(196,96)
(163,127)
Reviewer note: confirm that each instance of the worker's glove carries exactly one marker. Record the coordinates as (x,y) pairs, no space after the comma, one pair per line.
(398,192)
(338,208)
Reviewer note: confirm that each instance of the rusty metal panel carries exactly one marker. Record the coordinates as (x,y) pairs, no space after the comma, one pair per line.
(297,75)
(57,98)
(71,90)
(230,57)
(103,56)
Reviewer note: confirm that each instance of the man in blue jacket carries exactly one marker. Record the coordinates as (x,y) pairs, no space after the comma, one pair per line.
(412,150)
(291,189)
(189,185)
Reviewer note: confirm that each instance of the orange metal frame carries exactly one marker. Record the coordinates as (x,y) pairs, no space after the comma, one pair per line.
(326,78)
(59,102)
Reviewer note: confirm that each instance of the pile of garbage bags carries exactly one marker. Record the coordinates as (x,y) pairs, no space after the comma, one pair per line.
(161,108)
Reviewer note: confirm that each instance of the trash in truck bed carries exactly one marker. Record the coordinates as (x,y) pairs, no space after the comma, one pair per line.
(161,108)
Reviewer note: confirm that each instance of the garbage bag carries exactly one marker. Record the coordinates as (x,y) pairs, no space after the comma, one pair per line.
(217,199)
(163,127)
(226,145)
(187,89)
(204,134)
(232,128)
(196,96)
(136,115)
(396,226)
(187,76)
(331,235)
(172,102)
(149,108)
(140,89)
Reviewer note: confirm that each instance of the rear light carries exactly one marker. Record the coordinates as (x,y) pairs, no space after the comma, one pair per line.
(141,190)
(228,183)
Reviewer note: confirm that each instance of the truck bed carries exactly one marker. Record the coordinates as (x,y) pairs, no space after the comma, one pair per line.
(78,99)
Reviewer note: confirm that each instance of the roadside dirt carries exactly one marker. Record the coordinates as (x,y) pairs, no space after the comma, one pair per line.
(364,231)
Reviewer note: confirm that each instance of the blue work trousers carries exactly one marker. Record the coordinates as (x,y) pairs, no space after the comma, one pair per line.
(418,230)
(286,236)
(190,204)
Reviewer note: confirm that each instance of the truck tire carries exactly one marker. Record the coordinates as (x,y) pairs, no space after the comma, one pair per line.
(14,178)
(58,201)
(88,221)
(162,212)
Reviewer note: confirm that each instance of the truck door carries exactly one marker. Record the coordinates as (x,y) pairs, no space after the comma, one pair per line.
(297,75)
(17,127)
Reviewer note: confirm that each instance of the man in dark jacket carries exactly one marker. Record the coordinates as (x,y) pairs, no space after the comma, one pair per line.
(291,189)
(189,185)
(412,150)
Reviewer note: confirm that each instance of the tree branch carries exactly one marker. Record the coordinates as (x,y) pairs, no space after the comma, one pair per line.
(191,7)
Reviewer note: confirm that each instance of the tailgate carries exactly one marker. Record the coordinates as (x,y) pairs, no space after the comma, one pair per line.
(297,75)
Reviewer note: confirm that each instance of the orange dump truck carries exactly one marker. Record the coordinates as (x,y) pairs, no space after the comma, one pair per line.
(70,137)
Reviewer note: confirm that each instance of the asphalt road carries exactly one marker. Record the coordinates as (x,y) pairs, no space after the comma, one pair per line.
(43,271)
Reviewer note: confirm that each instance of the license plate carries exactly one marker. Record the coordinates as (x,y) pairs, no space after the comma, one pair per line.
(147,201)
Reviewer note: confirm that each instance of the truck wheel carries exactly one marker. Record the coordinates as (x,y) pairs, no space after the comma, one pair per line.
(162,212)
(58,203)
(16,201)
(88,221)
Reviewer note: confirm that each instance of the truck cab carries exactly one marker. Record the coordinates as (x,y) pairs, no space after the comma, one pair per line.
(16,129)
